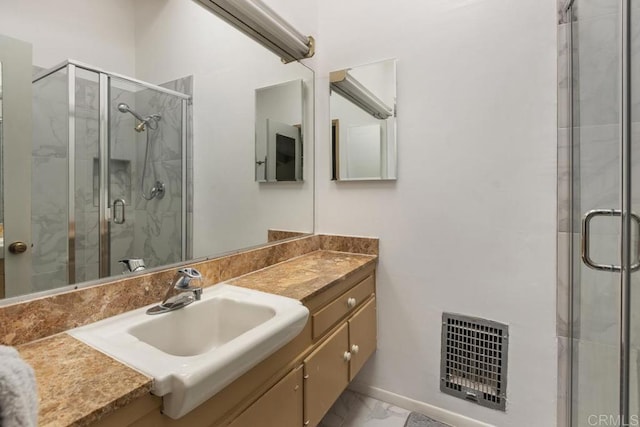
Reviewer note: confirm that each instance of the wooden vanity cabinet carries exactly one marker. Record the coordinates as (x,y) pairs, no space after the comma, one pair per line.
(342,306)
(362,337)
(281,406)
(326,375)
(332,366)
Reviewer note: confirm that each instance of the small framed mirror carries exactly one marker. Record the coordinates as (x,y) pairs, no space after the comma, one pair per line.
(279,148)
(363,122)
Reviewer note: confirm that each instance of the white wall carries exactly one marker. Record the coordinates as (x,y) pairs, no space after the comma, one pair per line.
(469,226)
(100,33)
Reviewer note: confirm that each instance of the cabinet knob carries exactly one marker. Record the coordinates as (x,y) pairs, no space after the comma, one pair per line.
(307,422)
(355,349)
(351,302)
(347,356)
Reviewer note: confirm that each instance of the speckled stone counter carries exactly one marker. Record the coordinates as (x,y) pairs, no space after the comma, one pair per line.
(303,277)
(79,385)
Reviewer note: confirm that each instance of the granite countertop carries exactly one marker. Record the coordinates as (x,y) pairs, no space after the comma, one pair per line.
(303,277)
(78,385)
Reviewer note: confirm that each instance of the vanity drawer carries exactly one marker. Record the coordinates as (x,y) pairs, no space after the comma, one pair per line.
(344,304)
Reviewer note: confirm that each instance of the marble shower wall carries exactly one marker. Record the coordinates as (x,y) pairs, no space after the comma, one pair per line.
(185,85)
(158,223)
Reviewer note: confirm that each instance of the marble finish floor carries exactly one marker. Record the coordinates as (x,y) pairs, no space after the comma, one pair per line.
(356,410)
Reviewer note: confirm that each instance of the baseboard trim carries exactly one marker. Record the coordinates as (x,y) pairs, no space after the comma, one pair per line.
(434,412)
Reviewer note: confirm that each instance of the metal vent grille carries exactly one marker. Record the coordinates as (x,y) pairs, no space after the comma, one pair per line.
(473,364)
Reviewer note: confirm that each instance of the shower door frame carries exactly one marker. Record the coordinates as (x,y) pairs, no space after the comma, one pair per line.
(626,215)
(104,205)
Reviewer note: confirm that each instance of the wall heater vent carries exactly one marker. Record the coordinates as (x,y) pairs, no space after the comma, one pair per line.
(473,363)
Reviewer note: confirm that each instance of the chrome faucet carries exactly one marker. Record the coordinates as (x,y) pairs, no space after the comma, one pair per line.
(181,293)
(131,265)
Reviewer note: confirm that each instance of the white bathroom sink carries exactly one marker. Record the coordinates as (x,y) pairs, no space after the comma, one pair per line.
(194,352)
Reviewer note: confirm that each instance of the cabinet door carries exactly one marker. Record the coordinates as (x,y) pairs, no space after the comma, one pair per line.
(281,406)
(326,372)
(362,336)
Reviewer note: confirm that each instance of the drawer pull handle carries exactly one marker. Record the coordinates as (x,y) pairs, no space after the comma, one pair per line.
(347,356)
(351,302)
(355,349)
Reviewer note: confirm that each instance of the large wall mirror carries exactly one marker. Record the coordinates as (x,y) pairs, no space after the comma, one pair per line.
(140,118)
(363,122)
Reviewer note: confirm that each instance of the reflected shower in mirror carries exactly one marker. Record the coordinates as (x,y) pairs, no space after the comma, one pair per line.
(279,145)
(118,144)
(363,122)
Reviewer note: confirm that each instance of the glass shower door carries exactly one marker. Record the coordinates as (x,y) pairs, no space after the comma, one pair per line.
(595,128)
(605,331)
(633,129)
(146,175)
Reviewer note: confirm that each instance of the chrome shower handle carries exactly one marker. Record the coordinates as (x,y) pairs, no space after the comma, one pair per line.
(121,219)
(585,240)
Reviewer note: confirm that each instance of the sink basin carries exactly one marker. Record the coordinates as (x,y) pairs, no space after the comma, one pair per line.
(194,352)
(221,320)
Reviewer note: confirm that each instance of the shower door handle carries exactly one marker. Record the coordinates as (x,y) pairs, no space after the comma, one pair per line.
(119,219)
(585,241)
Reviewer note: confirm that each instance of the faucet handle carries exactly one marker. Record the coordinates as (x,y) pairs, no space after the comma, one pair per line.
(186,275)
(190,272)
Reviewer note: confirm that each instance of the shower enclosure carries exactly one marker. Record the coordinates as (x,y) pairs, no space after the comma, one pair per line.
(603,139)
(109,173)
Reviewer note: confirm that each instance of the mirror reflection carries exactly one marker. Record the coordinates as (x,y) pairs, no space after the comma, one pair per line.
(118,146)
(363,122)
(143,144)
(278,132)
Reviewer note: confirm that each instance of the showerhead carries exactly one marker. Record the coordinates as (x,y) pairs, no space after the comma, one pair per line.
(124,108)
(151,121)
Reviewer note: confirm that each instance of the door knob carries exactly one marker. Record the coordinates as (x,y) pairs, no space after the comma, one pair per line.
(17,247)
